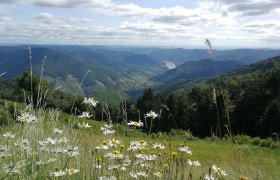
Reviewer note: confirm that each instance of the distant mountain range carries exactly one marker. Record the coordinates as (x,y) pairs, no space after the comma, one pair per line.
(122,68)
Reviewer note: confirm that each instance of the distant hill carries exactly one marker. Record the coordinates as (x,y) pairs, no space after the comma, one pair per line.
(260,67)
(245,56)
(66,66)
(197,69)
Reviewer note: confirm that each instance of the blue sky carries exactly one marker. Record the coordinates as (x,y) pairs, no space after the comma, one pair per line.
(184,23)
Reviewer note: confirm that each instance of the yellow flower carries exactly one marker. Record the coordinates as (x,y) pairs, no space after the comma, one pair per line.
(122,145)
(104,142)
(174,154)
(166,165)
(141,141)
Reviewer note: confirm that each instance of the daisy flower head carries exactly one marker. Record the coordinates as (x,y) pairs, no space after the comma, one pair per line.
(26,118)
(72,171)
(193,163)
(84,125)
(135,123)
(151,114)
(158,146)
(211,177)
(85,114)
(218,170)
(8,135)
(58,173)
(90,101)
(185,149)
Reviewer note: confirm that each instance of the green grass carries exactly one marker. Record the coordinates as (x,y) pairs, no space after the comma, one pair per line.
(255,162)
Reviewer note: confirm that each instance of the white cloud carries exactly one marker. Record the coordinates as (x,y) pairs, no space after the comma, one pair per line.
(48,18)
(246,7)
(113,22)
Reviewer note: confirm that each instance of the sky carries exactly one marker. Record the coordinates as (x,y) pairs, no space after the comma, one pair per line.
(182,23)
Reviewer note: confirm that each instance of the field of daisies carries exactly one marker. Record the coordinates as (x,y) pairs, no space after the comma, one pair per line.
(37,144)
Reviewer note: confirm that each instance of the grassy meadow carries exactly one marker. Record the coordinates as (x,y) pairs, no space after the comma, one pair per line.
(42,145)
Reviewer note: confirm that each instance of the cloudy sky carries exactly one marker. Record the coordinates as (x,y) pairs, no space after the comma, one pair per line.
(228,23)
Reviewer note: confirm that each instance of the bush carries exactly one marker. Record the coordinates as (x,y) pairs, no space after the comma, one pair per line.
(256,141)
(181,134)
(266,142)
(242,139)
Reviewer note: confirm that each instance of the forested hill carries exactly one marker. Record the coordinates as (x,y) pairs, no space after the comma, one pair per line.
(251,96)
(197,69)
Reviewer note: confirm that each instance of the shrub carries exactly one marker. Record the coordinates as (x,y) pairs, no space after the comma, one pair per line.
(256,141)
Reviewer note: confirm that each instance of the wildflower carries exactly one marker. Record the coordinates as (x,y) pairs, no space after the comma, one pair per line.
(9,135)
(134,175)
(166,165)
(174,154)
(158,174)
(158,146)
(85,114)
(90,101)
(72,171)
(56,130)
(113,166)
(25,118)
(151,114)
(244,178)
(207,177)
(114,155)
(84,125)
(107,129)
(193,163)
(58,173)
(135,123)
(126,162)
(218,170)
(185,149)
(113,143)
(102,147)
(143,174)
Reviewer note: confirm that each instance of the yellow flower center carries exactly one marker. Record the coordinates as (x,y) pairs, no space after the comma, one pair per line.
(104,142)
(141,141)
(122,146)
(25,118)
(116,152)
(165,165)
(135,123)
(159,174)
(72,170)
(219,170)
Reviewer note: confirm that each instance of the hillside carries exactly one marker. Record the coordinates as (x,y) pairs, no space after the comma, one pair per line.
(197,69)
(66,66)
